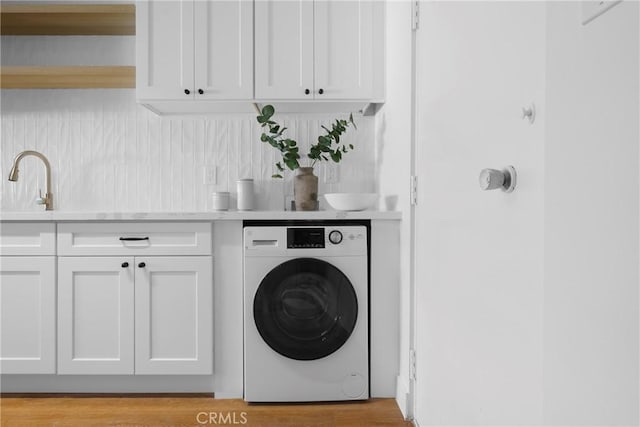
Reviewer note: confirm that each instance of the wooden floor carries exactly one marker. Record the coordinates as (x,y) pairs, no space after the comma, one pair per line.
(81,411)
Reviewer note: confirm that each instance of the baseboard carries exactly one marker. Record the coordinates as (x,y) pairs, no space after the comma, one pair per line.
(94,395)
(107,384)
(403,398)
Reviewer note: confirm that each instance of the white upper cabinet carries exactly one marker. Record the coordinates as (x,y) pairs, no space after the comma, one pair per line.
(194,50)
(164,49)
(343,49)
(321,50)
(224,49)
(284,49)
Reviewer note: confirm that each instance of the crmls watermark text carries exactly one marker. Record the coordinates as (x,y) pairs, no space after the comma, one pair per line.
(222,418)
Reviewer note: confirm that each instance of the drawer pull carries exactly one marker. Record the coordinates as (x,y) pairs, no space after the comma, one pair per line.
(133,239)
(142,265)
(125,264)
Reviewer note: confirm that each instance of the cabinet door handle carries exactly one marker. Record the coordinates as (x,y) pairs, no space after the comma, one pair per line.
(321,91)
(125,264)
(187,91)
(142,265)
(200,91)
(307,91)
(133,239)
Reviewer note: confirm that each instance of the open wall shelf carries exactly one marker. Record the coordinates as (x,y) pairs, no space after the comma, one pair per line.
(67,20)
(34,77)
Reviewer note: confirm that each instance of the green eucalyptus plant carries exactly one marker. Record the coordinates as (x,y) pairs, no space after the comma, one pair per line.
(327,148)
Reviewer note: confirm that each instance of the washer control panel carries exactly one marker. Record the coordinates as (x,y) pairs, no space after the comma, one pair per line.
(306,240)
(305,237)
(316,238)
(335,237)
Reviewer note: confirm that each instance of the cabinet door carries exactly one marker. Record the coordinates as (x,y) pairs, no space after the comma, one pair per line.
(95,315)
(283,49)
(174,315)
(224,49)
(343,41)
(164,50)
(27,315)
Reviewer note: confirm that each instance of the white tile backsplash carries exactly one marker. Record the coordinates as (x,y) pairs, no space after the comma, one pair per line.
(109,154)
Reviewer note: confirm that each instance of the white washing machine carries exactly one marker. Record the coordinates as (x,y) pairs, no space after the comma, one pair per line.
(306,328)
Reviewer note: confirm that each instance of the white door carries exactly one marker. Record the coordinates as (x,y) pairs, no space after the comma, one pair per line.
(284,49)
(479,253)
(27,315)
(164,50)
(224,49)
(95,315)
(174,315)
(343,43)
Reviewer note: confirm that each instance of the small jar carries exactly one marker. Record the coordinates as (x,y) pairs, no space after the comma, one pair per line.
(220,201)
(245,194)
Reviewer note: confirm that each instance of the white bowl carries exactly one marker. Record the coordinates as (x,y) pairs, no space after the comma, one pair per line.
(351,201)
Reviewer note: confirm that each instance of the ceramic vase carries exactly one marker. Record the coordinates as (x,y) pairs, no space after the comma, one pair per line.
(305,190)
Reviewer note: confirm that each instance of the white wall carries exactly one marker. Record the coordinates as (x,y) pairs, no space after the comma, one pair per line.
(394,163)
(109,154)
(591,217)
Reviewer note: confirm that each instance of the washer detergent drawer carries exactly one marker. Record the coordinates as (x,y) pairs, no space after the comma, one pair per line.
(134,238)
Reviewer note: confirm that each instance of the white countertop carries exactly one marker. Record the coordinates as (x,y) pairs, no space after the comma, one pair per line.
(195,216)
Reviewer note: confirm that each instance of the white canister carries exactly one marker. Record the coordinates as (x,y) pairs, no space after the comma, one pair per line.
(220,201)
(245,194)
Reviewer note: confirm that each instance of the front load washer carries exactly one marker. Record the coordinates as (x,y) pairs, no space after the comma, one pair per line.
(306,332)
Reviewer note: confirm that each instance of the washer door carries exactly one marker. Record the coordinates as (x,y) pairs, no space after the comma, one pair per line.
(305,309)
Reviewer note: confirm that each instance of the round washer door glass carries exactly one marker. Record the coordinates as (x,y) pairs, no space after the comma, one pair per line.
(305,309)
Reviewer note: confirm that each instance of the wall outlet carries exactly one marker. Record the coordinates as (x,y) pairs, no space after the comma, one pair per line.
(331,173)
(210,176)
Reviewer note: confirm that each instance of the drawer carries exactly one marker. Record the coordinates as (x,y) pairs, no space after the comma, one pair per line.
(27,238)
(134,238)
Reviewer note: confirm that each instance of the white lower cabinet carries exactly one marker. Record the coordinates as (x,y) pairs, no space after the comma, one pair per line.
(135,298)
(95,315)
(27,314)
(174,315)
(135,315)
(132,298)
